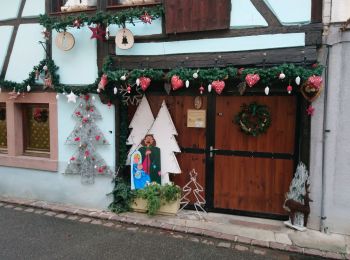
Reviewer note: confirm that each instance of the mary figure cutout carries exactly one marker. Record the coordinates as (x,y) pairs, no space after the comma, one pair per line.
(139,178)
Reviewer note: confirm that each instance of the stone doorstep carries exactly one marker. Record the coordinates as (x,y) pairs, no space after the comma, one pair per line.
(104,215)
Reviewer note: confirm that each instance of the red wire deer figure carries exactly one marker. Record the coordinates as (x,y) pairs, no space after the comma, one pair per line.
(295,206)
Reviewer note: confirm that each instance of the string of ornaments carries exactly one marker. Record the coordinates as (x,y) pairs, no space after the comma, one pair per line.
(129,85)
(98,25)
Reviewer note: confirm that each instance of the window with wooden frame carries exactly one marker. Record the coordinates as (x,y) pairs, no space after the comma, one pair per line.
(32,134)
(3,128)
(36,130)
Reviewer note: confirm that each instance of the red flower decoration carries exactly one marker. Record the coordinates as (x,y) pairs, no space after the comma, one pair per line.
(77,23)
(97,137)
(78,113)
(146,18)
(315,81)
(87,153)
(310,110)
(85,120)
(77,139)
(86,97)
(72,158)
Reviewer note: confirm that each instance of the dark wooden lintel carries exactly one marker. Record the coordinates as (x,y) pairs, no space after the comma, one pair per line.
(313,34)
(200,60)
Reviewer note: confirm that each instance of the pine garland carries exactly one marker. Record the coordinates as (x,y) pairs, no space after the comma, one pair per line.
(196,77)
(119,18)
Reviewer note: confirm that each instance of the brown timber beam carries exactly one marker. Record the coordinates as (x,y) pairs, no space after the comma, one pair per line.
(201,60)
(266,12)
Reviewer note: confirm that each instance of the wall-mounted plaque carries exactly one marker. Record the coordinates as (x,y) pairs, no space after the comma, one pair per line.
(196,118)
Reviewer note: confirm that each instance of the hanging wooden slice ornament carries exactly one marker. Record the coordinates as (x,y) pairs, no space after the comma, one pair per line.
(124,39)
(65,41)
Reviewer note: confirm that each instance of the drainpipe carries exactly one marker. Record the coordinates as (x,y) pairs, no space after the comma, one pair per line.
(325,131)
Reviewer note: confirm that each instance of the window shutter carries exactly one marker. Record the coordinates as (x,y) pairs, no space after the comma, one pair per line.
(196,15)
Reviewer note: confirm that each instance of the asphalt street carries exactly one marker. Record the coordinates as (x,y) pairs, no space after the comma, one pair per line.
(26,235)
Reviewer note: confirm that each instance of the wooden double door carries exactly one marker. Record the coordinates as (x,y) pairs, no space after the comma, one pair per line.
(240,173)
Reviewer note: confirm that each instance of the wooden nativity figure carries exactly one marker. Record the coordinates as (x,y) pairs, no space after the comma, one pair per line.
(145,164)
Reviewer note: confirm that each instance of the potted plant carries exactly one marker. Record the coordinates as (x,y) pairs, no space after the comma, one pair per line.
(155,198)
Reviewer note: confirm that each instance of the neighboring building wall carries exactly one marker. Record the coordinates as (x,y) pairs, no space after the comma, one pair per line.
(337,141)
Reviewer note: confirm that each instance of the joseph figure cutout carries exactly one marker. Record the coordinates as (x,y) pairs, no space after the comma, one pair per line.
(151,158)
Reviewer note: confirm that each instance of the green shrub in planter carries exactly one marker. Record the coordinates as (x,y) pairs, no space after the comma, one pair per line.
(156,195)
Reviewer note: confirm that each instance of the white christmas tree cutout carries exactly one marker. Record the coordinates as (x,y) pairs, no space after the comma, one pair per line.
(164,131)
(140,124)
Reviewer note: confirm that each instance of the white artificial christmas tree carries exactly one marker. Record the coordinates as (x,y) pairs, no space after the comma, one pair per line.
(140,124)
(297,192)
(164,131)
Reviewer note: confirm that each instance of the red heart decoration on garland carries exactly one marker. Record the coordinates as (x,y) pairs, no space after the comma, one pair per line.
(315,81)
(144,83)
(218,85)
(103,82)
(252,79)
(176,82)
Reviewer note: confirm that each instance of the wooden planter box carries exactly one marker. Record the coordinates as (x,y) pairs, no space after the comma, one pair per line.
(169,208)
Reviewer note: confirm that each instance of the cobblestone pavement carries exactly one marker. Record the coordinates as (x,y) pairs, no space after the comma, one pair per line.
(259,241)
(29,233)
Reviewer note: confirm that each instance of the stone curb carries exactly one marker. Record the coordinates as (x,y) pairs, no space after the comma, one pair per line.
(92,215)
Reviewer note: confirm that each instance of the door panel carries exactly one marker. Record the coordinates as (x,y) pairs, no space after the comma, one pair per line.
(279,137)
(252,183)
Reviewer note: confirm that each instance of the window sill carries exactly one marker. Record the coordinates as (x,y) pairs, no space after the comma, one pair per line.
(88,10)
(29,162)
(121,6)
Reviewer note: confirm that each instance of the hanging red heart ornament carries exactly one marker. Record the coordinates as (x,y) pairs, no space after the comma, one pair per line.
(103,82)
(252,79)
(176,82)
(218,86)
(315,81)
(145,82)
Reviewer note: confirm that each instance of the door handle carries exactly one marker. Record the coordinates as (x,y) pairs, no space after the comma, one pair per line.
(212,150)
